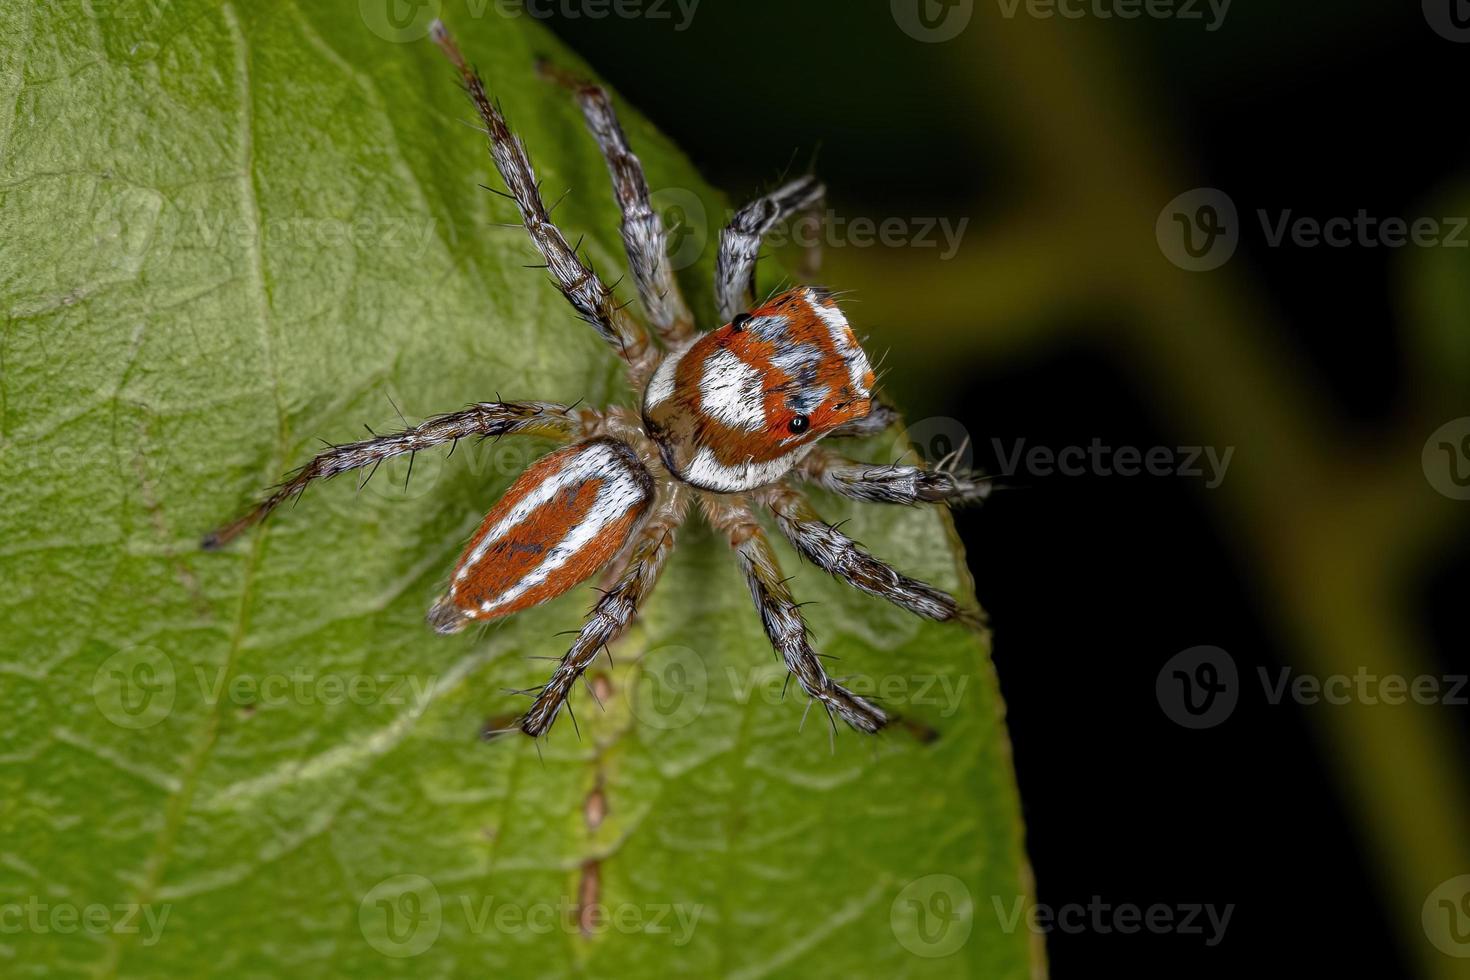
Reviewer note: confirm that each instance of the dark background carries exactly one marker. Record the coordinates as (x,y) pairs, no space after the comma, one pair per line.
(1092,583)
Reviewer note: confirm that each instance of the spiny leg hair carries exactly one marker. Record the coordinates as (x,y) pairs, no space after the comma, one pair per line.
(740,242)
(835,553)
(590,296)
(616,608)
(781,616)
(644,238)
(483,419)
(892,483)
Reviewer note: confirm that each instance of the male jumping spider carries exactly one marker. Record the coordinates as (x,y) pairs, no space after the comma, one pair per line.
(729,418)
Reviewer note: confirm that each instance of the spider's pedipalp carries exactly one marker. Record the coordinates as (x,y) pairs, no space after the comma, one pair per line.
(740,242)
(482,419)
(590,296)
(881,418)
(892,483)
(835,553)
(644,238)
(781,615)
(558,523)
(616,608)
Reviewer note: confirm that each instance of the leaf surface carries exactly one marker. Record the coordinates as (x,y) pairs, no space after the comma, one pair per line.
(230,231)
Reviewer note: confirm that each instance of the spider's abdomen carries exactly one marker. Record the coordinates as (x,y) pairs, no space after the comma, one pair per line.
(741,405)
(561,520)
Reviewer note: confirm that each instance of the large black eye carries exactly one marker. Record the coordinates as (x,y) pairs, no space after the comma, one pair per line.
(738,324)
(799,424)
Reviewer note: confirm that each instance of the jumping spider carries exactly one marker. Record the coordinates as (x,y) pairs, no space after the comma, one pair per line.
(729,418)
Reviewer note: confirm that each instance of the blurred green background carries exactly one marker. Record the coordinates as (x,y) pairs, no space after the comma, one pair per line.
(1328,550)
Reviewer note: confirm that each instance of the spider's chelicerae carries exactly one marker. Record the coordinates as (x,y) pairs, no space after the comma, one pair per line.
(729,418)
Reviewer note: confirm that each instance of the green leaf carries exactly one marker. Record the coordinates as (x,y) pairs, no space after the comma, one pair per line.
(230,231)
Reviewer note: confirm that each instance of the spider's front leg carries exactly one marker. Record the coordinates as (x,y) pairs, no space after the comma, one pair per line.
(590,296)
(835,553)
(617,607)
(644,238)
(781,615)
(740,242)
(892,483)
(483,419)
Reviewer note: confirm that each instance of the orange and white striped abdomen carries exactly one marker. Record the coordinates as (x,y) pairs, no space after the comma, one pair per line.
(561,520)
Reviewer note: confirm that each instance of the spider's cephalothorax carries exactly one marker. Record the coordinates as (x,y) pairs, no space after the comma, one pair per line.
(729,418)
(739,407)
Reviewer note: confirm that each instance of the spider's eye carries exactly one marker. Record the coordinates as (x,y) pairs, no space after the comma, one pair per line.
(799,424)
(738,324)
